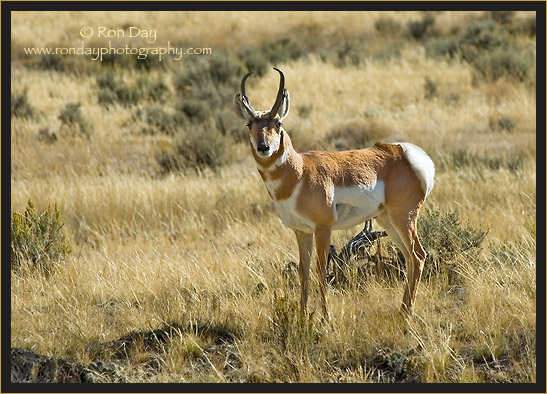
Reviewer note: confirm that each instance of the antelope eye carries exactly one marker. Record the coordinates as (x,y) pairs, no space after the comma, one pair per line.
(248,125)
(278,124)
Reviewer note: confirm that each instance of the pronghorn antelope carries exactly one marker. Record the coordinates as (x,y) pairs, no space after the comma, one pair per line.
(317,192)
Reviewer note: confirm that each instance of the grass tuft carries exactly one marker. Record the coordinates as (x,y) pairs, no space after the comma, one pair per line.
(38,240)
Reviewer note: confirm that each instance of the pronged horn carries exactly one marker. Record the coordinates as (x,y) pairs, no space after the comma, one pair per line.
(245,99)
(279,98)
(243,93)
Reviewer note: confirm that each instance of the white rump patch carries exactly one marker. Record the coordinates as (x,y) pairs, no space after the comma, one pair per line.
(421,163)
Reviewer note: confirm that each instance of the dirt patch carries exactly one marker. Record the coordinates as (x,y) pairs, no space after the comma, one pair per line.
(143,349)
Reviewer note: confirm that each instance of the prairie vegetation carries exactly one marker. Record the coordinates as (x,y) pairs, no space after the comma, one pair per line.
(164,258)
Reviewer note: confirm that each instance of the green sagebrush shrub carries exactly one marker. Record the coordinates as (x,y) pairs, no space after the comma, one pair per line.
(198,147)
(203,124)
(271,53)
(72,116)
(157,120)
(461,159)
(21,107)
(37,239)
(444,239)
(114,90)
(489,47)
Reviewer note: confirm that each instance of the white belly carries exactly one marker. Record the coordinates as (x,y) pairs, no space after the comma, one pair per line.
(354,205)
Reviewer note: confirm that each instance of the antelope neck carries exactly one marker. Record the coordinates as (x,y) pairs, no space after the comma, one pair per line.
(285,161)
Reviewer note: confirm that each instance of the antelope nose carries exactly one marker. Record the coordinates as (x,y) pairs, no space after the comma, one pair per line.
(262,147)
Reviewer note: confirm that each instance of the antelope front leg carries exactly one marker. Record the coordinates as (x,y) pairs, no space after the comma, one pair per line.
(322,244)
(305,247)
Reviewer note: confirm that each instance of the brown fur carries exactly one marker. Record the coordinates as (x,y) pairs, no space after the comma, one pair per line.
(289,172)
(319,173)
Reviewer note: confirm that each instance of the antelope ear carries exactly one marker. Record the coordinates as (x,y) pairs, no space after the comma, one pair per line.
(240,108)
(285,105)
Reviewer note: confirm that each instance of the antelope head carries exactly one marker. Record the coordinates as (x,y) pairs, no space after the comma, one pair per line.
(265,127)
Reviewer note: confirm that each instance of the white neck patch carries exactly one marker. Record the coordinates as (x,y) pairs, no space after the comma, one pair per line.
(283,158)
(275,144)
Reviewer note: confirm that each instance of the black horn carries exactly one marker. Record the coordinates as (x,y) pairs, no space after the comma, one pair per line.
(245,99)
(279,98)
(243,93)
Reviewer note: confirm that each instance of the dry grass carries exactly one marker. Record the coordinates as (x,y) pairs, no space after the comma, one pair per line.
(205,253)
(235,31)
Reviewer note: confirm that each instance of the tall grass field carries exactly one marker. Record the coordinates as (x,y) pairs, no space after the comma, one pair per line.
(145,247)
